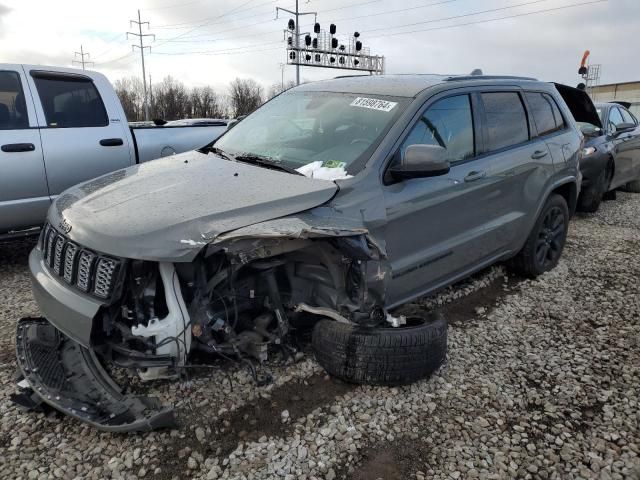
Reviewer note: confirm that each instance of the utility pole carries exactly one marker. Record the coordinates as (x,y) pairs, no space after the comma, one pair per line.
(141,36)
(297,14)
(82,61)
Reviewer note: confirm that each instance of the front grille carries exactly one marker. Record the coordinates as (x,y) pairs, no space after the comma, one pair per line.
(88,271)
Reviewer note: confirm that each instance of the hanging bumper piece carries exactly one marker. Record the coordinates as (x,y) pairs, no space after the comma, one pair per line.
(69,378)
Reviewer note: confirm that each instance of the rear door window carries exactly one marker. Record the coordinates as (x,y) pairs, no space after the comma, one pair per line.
(13,109)
(542,112)
(447,123)
(626,116)
(70,102)
(560,124)
(506,119)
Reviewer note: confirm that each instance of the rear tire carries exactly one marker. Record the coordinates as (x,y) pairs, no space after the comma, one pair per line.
(543,248)
(633,187)
(381,356)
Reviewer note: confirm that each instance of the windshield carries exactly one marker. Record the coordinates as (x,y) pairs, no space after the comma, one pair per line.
(319,129)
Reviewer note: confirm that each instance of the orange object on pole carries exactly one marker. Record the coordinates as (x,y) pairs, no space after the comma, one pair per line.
(583,70)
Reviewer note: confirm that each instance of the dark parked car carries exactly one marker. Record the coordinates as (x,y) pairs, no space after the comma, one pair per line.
(330,205)
(611,155)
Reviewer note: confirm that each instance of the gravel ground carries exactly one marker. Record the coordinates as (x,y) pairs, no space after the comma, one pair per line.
(542,381)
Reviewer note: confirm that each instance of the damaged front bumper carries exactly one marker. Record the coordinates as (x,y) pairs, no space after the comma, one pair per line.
(67,376)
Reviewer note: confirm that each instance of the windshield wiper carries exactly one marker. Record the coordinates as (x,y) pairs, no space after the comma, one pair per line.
(266,162)
(220,153)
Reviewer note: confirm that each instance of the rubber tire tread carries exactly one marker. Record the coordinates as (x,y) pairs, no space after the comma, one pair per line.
(381,356)
(525,261)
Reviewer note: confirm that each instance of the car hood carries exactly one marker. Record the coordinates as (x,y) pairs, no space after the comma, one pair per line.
(168,209)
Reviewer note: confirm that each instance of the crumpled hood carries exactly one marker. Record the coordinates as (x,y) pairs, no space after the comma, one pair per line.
(168,209)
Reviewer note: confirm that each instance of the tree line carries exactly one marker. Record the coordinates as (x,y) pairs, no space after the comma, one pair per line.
(171,99)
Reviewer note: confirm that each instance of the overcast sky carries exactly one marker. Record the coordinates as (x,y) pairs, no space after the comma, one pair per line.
(210,42)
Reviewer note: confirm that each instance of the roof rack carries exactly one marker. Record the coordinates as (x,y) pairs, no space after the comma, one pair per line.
(487,77)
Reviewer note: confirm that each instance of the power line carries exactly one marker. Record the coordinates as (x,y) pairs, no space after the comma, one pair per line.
(142,46)
(178,26)
(390,12)
(175,5)
(200,26)
(195,38)
(546,10)
(82,61)
(232,51)
(206,52)
(492,10)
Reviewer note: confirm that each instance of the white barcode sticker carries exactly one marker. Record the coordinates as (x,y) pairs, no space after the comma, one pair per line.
(373,104)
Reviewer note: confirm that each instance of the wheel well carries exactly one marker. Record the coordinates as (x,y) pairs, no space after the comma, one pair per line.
(570,193)
(611,166)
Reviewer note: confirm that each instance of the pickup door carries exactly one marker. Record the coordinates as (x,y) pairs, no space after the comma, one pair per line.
(24,198)
(82,133)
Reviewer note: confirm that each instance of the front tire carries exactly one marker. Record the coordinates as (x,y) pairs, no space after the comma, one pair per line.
(381,356)
(543,248)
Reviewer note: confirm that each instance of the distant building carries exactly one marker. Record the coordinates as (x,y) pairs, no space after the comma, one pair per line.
(620,92)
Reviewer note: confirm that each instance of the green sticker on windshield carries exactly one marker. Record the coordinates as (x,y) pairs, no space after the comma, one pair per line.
(334,164)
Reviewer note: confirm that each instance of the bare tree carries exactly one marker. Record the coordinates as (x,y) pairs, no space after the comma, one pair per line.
(206,103)
(245,95)
(131,95)
(276,88)
(170,99)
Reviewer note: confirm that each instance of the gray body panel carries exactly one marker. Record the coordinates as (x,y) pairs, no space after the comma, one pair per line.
(430,231)
(170,208)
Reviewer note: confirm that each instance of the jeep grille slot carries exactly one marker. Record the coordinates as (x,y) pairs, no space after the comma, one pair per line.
(88,271)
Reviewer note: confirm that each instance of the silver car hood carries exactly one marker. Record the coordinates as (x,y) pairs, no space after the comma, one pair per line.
(168,209)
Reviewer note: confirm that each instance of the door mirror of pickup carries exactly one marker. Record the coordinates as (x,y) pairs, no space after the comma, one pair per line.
(421,161)
(624,127)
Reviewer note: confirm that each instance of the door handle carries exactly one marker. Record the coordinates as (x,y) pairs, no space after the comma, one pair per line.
(111,142)
(18,147)
(539,154)
(473,176)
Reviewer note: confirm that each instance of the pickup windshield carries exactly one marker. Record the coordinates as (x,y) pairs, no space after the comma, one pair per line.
(334,130)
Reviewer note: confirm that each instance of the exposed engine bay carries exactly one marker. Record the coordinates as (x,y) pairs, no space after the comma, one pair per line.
(239,300)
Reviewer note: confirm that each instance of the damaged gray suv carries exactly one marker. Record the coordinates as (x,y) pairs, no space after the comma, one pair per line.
(329,206)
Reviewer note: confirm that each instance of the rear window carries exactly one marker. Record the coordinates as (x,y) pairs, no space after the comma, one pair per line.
(506,119)
(13,109)
(72,102)
(545,113)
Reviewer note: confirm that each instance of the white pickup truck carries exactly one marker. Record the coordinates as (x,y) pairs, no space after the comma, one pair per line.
(62,126)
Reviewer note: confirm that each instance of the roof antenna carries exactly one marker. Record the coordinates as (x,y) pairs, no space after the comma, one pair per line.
(476,72)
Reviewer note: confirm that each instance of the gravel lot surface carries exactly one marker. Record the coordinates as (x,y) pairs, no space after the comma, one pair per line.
(542,381)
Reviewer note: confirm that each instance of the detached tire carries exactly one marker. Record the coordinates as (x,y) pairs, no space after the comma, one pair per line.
(381,356)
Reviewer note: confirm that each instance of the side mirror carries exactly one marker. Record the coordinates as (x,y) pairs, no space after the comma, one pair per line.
(624,127)
(421,161)
(589,130)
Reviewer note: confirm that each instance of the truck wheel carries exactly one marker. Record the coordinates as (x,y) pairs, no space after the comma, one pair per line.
(544,246)
(591,197)
(633,187)
(381,356)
